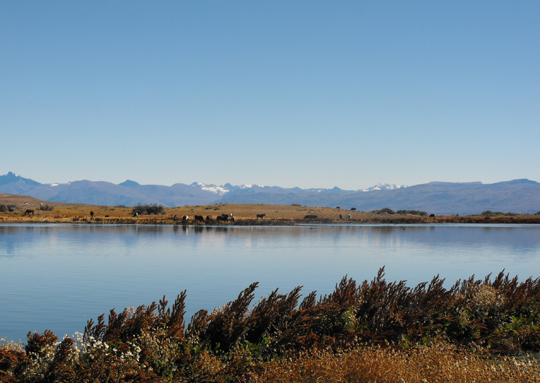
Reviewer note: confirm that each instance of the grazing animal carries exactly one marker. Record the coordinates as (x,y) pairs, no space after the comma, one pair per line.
(198,218)
(311,216)
(261,216)
(136,215)
(29,211)
(223,217)
(209,218)
(91,214)
(348,217)
(185,219)
(340,216)
(175,218)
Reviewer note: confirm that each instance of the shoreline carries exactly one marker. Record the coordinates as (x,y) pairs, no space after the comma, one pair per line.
(22,209)
(166,220)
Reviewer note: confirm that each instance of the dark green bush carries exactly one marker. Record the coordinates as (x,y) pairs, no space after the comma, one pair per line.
(3,208)
(489,213)
(385,210)
(412,212)
(154,209)
(46,208)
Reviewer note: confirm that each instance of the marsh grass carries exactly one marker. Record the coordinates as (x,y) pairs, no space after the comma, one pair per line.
(371,331)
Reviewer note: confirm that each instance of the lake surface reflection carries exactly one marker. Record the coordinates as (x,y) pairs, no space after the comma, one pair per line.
(59,276)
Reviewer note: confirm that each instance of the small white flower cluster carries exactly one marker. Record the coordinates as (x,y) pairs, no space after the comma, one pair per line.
(95,348)
(11,345)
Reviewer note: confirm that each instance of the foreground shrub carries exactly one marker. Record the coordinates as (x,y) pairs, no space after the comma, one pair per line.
(372,331)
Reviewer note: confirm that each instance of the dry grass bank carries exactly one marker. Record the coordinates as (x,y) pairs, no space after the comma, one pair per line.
(435,364)
(245,214)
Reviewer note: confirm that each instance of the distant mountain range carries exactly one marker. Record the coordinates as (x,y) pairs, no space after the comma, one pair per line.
(522,196)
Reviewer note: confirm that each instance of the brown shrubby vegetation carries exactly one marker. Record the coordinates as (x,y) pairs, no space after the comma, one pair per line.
(373,331)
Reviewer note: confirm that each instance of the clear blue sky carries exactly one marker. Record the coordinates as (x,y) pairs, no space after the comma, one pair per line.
(301,93)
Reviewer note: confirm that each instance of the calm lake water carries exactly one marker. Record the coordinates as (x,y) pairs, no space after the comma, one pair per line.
(58,276)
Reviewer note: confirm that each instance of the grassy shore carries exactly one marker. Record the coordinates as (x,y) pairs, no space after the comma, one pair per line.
(374,331)
(245,214)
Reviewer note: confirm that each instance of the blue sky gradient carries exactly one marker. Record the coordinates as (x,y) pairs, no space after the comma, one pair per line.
(305,93)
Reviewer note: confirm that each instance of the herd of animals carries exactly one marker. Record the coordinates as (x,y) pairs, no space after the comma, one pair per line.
(227,218)
(210,219)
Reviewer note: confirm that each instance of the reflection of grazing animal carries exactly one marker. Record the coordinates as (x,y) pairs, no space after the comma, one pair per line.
(261,216)
(311,216)
(185,219)
(29,211)
(198,218)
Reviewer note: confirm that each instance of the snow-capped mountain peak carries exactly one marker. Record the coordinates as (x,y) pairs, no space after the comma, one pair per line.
(383,186)
(219,190)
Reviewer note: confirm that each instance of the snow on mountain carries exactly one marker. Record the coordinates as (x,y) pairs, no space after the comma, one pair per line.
(219,190)
(383,186)
(224,189)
